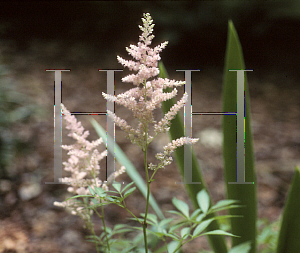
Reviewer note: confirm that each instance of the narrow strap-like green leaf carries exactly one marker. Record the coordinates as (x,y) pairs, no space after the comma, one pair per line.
(289,235)
(176,131)
(130,169)
(245,193)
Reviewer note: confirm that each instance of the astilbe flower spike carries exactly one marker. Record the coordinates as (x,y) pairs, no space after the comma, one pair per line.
(148,95)
(83,165)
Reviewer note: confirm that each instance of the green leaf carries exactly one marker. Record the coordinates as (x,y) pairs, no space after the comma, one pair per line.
(201,216)
(117,186)
(140,220)
(127,186)
(244,193)
(224,203)
(175,226)
(161,230)
(242,248)
(225,208)
(91,190)
(95,202)
(99,204)
(172,246)
(195,213)
(100,191)
(122,231)
(185,232)
(119,226)
(164,222)
(203,200)
(173,236)
(79,196)
(289,240)
(101,236)
(127,193)
(128,249)
(160,234)
(152,217)
(181,206)
(176,131)
(177,213)
(219,232)
(108,230)
(111,191)
(111,198)
(130,169)
(203,225)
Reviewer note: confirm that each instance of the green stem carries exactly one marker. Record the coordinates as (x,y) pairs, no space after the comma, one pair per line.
(154,173)
(90,225)
(104,226)
(148,193)
(133,215)
(95,238)
(147,176)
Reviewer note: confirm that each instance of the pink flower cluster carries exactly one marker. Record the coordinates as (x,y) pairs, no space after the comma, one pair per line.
(165,158)
(83,164)
(148,95)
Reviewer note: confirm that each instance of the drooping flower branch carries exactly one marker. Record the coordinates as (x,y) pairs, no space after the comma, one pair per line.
(83,164)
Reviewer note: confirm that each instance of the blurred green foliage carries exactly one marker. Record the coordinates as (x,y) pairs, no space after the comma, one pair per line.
(267,235)
(14,110)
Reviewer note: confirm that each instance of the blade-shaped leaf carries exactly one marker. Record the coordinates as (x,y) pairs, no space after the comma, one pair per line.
(244,193)
(289,240)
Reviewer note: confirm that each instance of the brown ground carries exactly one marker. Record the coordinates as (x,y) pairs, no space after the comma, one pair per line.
(36,225)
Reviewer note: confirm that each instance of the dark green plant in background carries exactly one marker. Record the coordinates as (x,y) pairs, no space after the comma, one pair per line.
(15,108)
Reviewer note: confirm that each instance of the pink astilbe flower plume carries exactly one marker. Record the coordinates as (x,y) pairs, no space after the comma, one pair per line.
(148,94)
(83,164)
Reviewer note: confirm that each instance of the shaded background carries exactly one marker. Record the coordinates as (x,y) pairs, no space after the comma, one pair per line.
(87,36)
(196,30)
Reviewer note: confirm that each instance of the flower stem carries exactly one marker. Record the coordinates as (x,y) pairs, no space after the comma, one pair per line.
(104,226)
(133,215)
(89,224)
(148,190)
